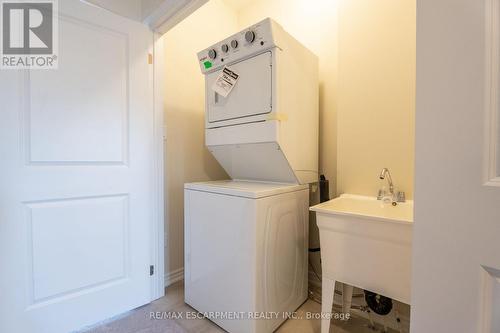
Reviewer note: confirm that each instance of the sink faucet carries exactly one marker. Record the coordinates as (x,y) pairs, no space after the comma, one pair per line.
(399,197)
(386,174)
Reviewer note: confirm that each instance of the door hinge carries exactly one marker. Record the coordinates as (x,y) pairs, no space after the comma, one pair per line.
(151,270)
(150,58)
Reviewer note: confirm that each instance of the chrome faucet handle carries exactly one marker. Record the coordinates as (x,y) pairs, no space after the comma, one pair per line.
(401,196)
(381,194)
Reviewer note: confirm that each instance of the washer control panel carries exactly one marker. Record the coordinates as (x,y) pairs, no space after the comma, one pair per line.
(254,39)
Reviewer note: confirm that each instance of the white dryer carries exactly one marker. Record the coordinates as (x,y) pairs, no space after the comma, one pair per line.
(266,128)
(246,252)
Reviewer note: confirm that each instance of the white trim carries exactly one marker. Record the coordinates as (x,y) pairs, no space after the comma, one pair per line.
(174,276)
(492,73)
(157,235)
(166,16)
(171,12)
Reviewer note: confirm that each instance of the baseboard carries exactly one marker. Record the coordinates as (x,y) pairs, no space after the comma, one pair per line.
(174,276)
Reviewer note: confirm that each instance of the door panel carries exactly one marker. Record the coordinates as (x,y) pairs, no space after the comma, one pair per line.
(456,245)
(91,107)
(76,177)
(71,224)
(251,95)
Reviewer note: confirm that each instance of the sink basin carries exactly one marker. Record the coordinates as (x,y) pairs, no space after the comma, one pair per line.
(367,207)
(366,244)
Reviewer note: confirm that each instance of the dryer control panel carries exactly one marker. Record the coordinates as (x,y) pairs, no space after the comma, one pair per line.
(253,40)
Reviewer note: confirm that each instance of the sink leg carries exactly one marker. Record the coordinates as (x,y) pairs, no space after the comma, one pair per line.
(346,298)
(327,293)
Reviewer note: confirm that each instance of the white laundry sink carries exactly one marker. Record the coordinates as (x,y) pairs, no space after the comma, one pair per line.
(366,244)
(367,207)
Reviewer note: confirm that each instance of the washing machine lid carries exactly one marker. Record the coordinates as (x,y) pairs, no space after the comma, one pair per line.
(246,189)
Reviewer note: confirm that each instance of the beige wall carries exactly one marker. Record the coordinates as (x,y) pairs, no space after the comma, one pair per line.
(376,94)
(316,28)
(366,53)
(187,159)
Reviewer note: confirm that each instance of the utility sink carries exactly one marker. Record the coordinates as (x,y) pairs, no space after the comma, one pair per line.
(367,207)
(367,244)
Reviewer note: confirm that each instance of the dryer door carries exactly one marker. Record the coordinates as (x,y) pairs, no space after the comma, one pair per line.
(251,95)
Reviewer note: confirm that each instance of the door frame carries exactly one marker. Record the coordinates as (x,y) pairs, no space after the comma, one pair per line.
(160,21)
(159,218)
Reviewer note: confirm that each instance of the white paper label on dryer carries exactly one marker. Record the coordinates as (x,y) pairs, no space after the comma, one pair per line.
(225,82)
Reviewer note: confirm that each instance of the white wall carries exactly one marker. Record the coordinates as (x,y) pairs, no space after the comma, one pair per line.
(187,159)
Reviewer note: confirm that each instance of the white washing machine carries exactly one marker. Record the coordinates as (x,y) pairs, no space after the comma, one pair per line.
(246,239)
(246,252)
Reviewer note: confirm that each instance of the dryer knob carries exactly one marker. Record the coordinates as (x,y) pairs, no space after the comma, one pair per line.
(234,43)
(224,48)
(250,36)
(212,54)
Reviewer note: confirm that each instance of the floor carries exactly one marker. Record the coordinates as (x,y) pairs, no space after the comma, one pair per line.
(139,321)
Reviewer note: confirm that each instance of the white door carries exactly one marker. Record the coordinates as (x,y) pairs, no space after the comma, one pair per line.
(251,95)
(76,177)
(456,253)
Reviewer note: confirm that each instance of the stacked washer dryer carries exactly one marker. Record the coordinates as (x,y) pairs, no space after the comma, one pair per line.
(246,238)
